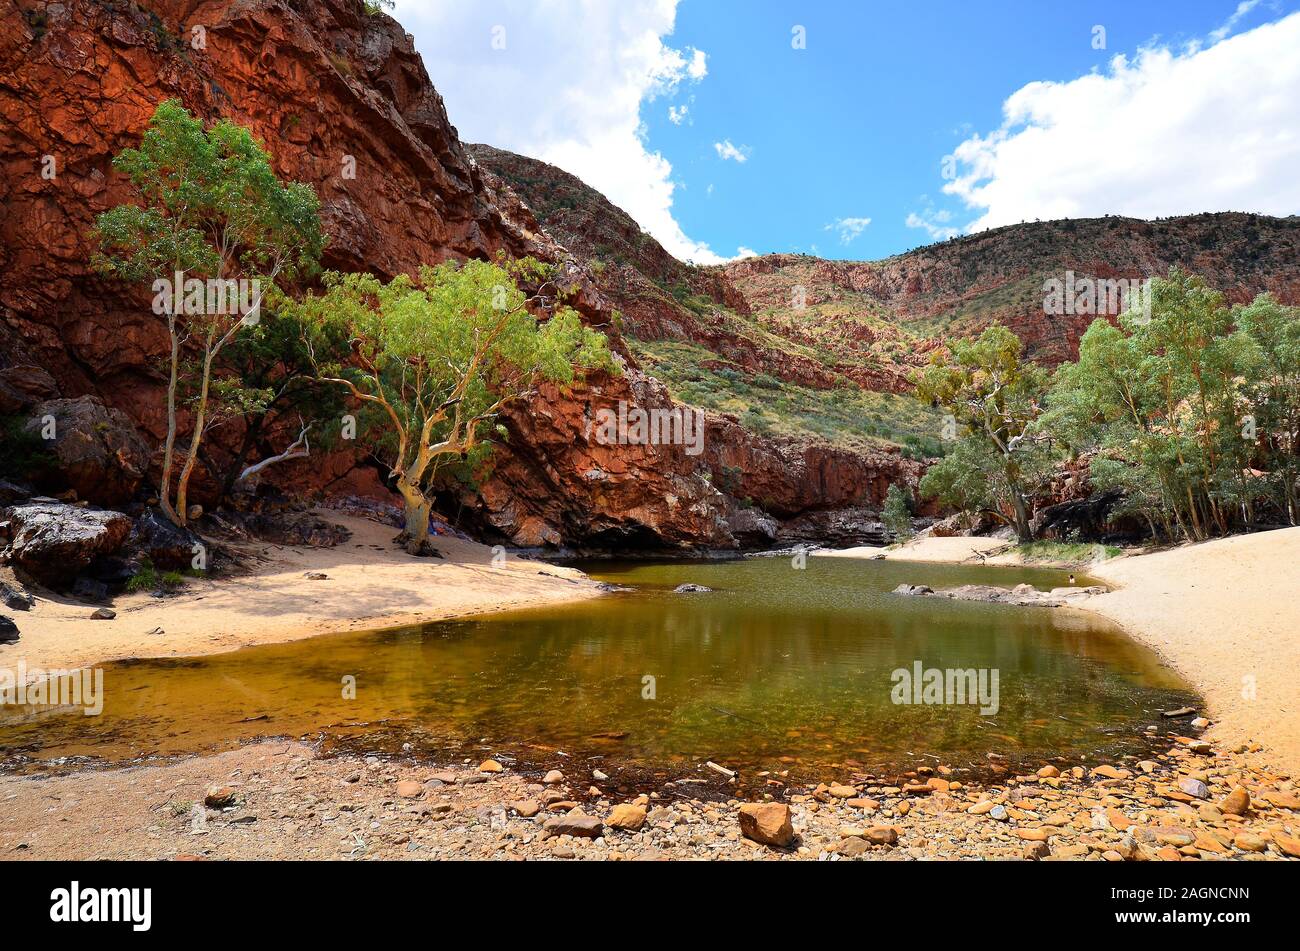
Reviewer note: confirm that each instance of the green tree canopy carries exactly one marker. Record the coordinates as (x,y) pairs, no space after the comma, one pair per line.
(439,358)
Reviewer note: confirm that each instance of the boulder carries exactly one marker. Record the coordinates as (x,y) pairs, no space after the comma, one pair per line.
(21,387)
(88,589)
(220,797)
(627,816)
(574,823)
(1236,803)
(767,823)
(913,590)
(53,542)
(689,588)
(98,452)
(11,492)
(14,599)
(8,630)
(165,544)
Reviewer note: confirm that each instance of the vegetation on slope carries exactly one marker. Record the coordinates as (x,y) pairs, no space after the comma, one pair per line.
(847,416)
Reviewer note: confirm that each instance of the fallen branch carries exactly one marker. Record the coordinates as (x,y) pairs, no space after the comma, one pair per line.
(299,449)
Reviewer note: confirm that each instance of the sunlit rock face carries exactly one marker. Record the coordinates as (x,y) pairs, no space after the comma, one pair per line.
(342,102)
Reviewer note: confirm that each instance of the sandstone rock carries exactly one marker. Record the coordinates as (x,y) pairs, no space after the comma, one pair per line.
(1289,845)
(1194,788)
(490,766)
(854,847)
(14,599)
(587,827)
(1236,803)
(103,614)
(53,542)
(627,817)
(219,797)
(98,451)
(842,792)
(1283,800)
(882,835)
(409,789)
(767,823)
(1106,771)
(1249,842)
(1049,772)
(22,387)
(1033,851)
(526,808)
(553,778)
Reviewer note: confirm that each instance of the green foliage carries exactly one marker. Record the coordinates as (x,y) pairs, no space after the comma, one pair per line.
(1066,554)
(847,416)
(210,204)
(897,511)
(1194,412)
(992,397)
(437,359)
(210,208)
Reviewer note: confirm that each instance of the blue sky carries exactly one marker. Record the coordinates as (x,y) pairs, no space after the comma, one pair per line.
(702,120)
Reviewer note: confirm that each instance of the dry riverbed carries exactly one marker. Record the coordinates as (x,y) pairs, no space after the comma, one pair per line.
(281,800)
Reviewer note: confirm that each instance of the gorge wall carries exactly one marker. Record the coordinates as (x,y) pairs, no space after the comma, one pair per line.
(331,88)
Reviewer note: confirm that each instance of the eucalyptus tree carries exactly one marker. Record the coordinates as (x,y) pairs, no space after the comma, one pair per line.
(214,228)
(440,356)
(991,395)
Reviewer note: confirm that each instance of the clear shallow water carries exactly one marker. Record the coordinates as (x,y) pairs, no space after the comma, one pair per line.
(777,669)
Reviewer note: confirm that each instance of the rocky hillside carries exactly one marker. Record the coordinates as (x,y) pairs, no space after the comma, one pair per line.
(819,324)
(328,86)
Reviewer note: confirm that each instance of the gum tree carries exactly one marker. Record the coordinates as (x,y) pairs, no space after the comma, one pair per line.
(438,358)
(992,396)
(211,213)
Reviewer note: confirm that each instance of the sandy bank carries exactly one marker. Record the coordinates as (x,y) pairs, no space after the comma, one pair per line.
(1224,615)
(371,583)
(955,549)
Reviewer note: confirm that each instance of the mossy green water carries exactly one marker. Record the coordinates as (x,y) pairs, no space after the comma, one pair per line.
(777,668)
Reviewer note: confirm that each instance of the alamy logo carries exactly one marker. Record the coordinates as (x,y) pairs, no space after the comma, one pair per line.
(211,297)
(73,904)
(82,687)
(679,426)
(947,686)
(1096,295)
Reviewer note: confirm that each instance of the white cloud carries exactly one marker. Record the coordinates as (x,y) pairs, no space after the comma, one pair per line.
(1230,24)
(677,114)
(848,228)
(932,223)
(1164,133)
(567,88)
(727,151)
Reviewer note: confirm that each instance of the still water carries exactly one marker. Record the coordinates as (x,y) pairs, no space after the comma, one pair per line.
(776,668)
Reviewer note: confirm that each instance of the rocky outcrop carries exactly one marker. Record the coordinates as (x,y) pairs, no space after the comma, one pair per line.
(53,542)
(97,451)
(24,386)
(1025,595)
(165,545)
(320,81)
